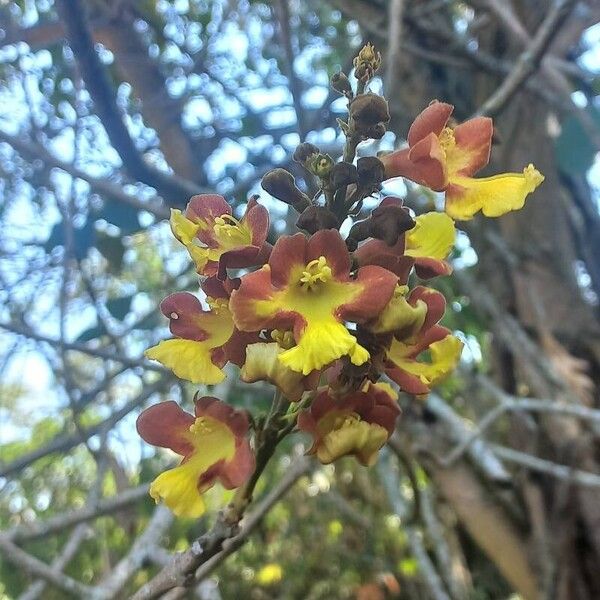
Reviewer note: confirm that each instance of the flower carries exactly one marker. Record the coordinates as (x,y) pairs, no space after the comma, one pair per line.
(445,159)
(425,247)
(358,423)
(205,339)
(407,328)
(306,287)
(213,446)
(217,240)
(405,316)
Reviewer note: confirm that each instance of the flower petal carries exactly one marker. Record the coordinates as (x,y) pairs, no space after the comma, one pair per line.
(178,489)
(431,120)
(263,364)
(474,142)
(494,196)
(188,359)
(166,425)
(433,236)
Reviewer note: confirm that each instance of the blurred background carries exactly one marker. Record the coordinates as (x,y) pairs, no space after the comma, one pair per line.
(113,111)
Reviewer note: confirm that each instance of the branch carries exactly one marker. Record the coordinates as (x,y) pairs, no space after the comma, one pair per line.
(294,81)
(29,563)
(78,347)
(510,403)
(161,520)
(575,476)
(60,522)
(184,565)
(394,53)
(529,60)
(100,185)
(68,552)
(175,189)
(63,443)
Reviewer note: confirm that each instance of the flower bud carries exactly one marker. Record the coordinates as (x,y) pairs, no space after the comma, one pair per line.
(304,151)
(321,165)
(342,174)
(389,222)
(281,185)
(340,83)
(367,62)
(369,109)
(371,171)
(315,218)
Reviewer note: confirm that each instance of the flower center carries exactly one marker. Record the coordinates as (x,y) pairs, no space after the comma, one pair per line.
(316,271)
(230,232)
(345,421)
(200,426)
(217,304)
(446,138)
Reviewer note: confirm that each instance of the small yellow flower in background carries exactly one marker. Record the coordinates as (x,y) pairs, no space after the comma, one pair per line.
(270,574)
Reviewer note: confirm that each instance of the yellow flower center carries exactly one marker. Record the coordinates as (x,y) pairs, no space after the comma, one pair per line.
(316,271)
(446,138)
(217,305)
(231,233)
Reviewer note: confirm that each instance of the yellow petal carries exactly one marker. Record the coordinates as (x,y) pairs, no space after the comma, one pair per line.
(494,196)
(432,237)
(188,359)
(353,437)
(444,358)
(400,316)
(178,489)
(262,363)
(322,342)
(183,229)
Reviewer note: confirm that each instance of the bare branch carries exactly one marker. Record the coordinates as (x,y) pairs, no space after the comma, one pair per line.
(63,443)
(60,522)
(529,60)
(25,561)
(174,188)
(575,476)
(100,185)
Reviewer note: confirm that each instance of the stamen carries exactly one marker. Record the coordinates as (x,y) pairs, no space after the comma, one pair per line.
(217,304)
(200,426)
(284,338)
(316,271)
(446,138)
(230,231)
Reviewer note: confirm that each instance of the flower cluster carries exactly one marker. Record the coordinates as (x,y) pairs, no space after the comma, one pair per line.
(336,323)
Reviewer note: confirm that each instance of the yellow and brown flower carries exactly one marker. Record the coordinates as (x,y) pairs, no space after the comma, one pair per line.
(212,443)
(307,288)
(445,159)
(357,424)
(217,240)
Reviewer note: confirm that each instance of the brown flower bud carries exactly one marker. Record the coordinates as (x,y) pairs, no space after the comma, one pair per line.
(389,222)
(376,132)
(361,230)
(342,174)
(282,185)
(370,113)
(304,151)
(367,62)
(315,218)
(340,83)
(371,171)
